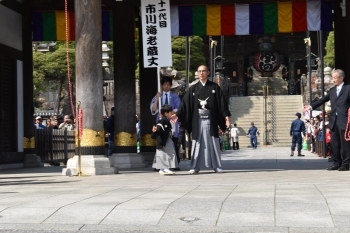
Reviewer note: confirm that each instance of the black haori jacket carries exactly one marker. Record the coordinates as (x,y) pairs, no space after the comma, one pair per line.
(188,112)
(162,133)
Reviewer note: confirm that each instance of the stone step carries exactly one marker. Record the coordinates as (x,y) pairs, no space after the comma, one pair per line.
(280,113)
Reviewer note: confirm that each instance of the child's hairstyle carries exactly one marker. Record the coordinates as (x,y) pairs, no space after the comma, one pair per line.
(166,108)
(166,79)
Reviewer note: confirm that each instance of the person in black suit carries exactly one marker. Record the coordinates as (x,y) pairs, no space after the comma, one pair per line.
(339,95)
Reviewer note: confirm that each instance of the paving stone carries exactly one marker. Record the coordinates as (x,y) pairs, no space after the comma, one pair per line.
(246,219)
(80,214)
(304,219)
(25,215)
(133,217)
(261,190)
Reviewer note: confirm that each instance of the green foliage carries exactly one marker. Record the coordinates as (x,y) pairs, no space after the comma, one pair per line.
(137,49)
(111,58)
(62,45)
(179,54)
(53,65)
(329,57)
(50,69)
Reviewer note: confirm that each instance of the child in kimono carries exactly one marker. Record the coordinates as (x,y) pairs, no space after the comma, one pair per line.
(165,157)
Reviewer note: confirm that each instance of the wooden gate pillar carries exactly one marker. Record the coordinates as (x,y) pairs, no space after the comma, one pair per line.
(125,139)
(124,78)
(342,38)
(30,157)
(148,89)
(89,91)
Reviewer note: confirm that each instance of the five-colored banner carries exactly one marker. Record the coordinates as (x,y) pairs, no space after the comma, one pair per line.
(213,20)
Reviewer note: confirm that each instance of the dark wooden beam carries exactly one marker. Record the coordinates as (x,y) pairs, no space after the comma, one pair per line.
(124,78)
(108,4)
(199,2)
(11,52)
(13,5)
(341,39)
(28,105)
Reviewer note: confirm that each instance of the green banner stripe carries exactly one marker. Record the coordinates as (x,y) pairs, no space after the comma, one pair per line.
(49,25)
(199,16)
(270,17)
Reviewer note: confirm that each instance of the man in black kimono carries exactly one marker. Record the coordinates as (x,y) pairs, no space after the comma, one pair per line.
(202,110)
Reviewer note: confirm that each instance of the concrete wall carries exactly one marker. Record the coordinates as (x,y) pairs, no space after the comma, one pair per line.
(11,52)
(10,28)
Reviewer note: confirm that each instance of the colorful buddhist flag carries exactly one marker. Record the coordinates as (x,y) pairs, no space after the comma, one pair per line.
(254,18)
(210,20)
(51,26)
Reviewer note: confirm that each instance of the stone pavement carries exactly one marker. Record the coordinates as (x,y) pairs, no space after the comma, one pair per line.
(262,190)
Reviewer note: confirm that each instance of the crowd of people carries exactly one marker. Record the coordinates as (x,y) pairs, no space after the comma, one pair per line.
(55,122)
(315,128)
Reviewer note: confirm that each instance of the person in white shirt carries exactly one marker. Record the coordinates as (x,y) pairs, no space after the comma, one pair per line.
(68,124)
(234,137)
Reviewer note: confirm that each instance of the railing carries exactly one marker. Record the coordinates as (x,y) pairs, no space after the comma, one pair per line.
(108,88)
(319,148)
(55,145)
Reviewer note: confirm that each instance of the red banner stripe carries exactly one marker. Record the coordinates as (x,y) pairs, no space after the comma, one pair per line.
(228,20)
(71,25)
(299,16)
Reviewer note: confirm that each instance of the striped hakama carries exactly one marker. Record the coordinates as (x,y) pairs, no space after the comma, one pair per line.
(165,158)
(206,149)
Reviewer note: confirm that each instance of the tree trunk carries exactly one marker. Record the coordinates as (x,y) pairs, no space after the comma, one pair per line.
(89,79)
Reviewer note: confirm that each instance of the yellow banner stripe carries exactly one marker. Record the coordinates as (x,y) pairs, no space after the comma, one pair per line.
(214,20)
(285,19)
(61,25)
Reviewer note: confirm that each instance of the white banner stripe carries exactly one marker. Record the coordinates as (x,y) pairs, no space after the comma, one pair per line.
(242,19)
(314,15)
(174,12)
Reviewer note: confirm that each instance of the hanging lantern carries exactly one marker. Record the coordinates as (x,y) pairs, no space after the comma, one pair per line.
(266,62)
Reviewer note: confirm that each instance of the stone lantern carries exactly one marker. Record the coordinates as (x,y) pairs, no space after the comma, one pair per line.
(328,75)
(327,84)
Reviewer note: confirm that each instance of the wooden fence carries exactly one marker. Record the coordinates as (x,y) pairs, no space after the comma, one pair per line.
(55,145)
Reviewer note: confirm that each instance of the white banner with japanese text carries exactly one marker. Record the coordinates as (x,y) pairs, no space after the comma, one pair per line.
(156,33)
